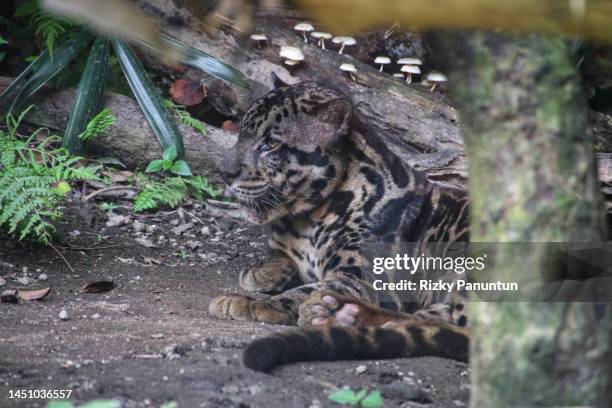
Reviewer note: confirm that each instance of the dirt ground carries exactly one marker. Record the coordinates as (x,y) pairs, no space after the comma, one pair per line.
(150,340)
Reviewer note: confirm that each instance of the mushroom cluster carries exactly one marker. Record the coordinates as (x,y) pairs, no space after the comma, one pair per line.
(410,66)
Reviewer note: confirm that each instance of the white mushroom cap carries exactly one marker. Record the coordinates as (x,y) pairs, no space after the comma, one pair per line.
(436,77)
(409,61)
(291,53)
(291,62)
(258,37)
(344,40)
(348,68)
(411,69)
(303,27)
(318,34)
(382,60)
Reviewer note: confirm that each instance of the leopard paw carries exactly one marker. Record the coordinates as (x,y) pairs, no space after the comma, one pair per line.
(240,307)
(327,309)
(231,307)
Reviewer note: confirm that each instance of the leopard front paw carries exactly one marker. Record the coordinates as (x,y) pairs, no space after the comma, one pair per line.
(328,309)
(231,307)
(240,307)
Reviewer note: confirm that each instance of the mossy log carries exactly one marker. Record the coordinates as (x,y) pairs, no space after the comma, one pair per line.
(532,179)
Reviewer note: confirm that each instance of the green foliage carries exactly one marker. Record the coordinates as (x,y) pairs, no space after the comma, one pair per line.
(98,124)
(171,191)
(49,27)
(169,163)
(34,178)
(181,113)
(362,398)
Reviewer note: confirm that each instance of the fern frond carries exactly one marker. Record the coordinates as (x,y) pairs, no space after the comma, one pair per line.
(98,124)
(181,113)
(29,172)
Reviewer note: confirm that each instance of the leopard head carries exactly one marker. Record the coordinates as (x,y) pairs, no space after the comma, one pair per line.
(291,151)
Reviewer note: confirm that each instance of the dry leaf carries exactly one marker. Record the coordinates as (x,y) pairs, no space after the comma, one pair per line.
(230,126)
(33,294)
(97,287)
(187,92)
(9,296)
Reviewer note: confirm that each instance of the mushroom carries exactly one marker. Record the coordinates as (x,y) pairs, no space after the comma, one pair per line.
(344,41)
(258,38)
(436,78)
(382,61)
(410,70)
(304,28)
(321,37)
(349,69)
(292,55)
(409,61)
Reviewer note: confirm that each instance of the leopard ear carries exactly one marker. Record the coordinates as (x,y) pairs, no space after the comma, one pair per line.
(332,121)
(277,82)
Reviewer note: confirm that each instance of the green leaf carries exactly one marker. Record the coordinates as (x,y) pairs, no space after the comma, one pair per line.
(27,9)
(89,95)
(155,166)
(373,400)
(181,168)
(360,394)
(43,69)
(59,404)
(149,99)
(2,40)
(102,404)
(199,59)
(170,154)
(63,187)
(343,396)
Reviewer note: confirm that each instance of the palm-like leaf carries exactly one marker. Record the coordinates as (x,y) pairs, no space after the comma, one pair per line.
(89,95)
(149,99)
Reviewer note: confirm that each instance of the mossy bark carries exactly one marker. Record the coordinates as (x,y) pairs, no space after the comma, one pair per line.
(532,178)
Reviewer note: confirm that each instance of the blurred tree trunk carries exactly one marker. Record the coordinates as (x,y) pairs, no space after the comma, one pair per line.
(532,178)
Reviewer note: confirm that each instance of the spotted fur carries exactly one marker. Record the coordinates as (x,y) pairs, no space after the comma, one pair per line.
(326,183)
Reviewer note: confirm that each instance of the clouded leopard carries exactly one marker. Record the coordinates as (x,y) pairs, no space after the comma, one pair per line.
(308,166)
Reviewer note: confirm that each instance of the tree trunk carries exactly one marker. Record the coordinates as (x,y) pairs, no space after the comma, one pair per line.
(532,178)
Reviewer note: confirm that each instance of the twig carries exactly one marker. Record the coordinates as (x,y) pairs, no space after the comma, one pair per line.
(91,248)
(104,190)
(62,256)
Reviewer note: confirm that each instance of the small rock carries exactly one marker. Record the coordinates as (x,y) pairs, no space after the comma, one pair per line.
(229,389)
(24,280)
(95,316)
(74,234)
(9,296)
(145,242)
(157,336)
(361,369)
(315,404)
(2,281)
(138,226)
(24,269)
(182,228)
(174,221)
(205,231)
(42,277)
(115,220)
(63,315)
(256,389)
(402,391)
